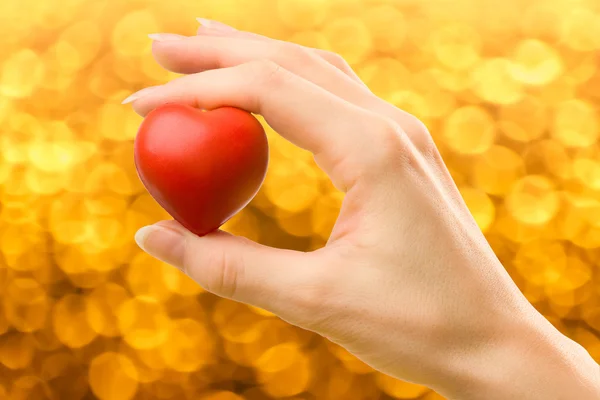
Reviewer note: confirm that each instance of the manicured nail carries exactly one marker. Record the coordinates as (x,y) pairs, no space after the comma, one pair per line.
(168,245)
(215,25)
(165,37)
(140,93)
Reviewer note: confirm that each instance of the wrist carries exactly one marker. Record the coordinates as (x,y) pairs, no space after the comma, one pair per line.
(529,360)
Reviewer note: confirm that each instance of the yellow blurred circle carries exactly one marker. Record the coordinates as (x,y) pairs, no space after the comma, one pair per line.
(302,14)
(298,224)
(26,304)
(543,20)
(143,322)
(588,172)
(70,323)
(541,262)
(278,358)
(452,80)
(105,204)
(180,283)
(236,323)
(126,38)
(456,46)
(535,63)
(533,200)
(580,69)
(118,123)
(494,83)
(554,93)
(148,363)
(548,156)
(31,387)
(524,121)
(44,183)
(22,131)
(576,124)
(188,347)
(388,27)
(469,130)
(100,308)
(581,29)
(113,376)
(385,76)
(16,350)
(289,381)
(349,37)
(145,277)
(496,170)
(292,186)
(573,277)
(13,82)
(108,176)
(86,39)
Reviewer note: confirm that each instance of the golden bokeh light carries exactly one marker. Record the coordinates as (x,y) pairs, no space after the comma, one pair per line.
(113,376)
(510,94)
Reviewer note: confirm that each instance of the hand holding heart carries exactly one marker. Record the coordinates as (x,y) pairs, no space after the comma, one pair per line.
(407,282)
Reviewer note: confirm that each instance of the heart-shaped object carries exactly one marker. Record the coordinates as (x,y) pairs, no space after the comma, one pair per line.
(202,167)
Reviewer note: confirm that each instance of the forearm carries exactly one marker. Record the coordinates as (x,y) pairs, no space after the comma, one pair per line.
(536,363)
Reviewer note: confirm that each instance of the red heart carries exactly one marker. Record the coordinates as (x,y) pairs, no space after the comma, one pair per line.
(201,167)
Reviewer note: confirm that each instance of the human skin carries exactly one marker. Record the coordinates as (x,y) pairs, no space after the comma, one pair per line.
(407,281)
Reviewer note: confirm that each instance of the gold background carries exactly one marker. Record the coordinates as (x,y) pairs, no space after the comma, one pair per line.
(509,89)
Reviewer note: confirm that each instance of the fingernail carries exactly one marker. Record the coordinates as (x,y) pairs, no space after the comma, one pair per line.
(215,25)
(165,37)
(140,93)
(166,244)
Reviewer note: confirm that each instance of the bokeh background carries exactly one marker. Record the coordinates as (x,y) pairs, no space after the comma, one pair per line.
(509,89)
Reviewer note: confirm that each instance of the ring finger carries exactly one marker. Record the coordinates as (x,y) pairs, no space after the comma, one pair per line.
(216,28)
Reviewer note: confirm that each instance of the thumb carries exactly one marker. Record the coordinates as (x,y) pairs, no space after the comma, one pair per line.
(284,282)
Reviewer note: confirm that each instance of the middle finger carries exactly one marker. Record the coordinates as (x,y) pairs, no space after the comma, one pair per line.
(199,53)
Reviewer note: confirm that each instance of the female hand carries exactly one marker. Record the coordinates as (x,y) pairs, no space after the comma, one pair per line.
(407,282)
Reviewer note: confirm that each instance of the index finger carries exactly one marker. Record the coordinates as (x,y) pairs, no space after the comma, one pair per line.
(336,131)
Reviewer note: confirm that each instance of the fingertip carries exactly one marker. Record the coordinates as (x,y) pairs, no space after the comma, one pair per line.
(181,57)
(165,244)
(138,108)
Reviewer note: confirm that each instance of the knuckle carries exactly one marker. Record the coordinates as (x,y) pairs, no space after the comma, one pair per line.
(418,132)
(224,270)
(266,71)
(290,54)
(392,141)
(336,59)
